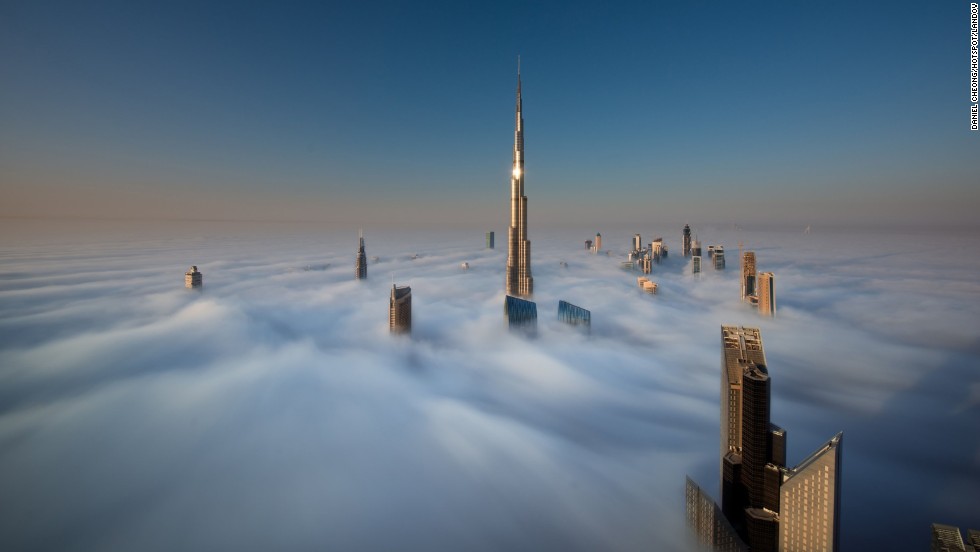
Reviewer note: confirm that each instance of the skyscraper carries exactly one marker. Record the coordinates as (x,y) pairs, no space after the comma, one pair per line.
(489,240)
(809,506)
(686,247)
(400,309)
(360,264)
(193,279)
(719,257)
(748,275)
(519,280)
(696,265)
(574,315)
(696,248)
(767,294)
(637,242)
(709,527)
(521,314)
(598,242)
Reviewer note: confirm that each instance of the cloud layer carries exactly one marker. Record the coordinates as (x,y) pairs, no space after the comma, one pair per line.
(274,410)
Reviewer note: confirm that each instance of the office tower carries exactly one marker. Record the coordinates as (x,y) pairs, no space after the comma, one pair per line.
(489,240)
(748,275)
(637,242)
(360,264)
(767,294)
(573,315)
(696,265)
(708,525)
(588,245)
(809,506)
(686,247)
(519,280)
(696,248)
(718,258)
(647,264)
(598,242)
(946,538)
(193,279)
(400,309)
(521,314)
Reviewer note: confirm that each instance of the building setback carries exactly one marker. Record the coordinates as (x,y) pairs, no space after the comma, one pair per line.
(748,275)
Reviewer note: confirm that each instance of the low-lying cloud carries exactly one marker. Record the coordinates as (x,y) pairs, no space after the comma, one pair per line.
(274,411)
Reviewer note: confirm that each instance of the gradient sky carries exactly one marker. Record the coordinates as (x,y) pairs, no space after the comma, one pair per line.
(767,112)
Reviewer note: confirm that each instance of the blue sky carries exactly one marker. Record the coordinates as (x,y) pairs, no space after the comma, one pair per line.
(831,112)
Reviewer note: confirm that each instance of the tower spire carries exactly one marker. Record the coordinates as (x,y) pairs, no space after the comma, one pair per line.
(519,280)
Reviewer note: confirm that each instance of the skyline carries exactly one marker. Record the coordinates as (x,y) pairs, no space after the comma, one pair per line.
(779,115)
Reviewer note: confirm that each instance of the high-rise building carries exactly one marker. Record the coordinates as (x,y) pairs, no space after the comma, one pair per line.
(767,294)
(637,242)
(489,240)
(521,314)
(574,315)
(718,257)
(696,265)
(598,242)
(193,279)
(686,244)
(708,525)
(947,538)
(400,309)
(809,505)
(748,275)
(696,248)
(646,263)
(360,264)
(519,280)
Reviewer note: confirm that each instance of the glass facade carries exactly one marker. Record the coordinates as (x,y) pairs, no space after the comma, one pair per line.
(521,314)
(576,316)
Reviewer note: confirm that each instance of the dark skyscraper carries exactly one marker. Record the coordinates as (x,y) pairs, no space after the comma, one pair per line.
(519,280)
(400,309)
(489,240)
(686,245)
(360,264)
(574,315)
(521,314)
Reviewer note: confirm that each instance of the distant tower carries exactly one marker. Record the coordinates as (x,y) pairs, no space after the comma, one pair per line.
(598,242)
(489,240)
(519,280)
(646,263)
(193,279)
(588,245)
(360,265)
(695,248)
(748,275)
(574,315)
(696,265)
(718,258)
(767,294)
(400,309)
(637,242)
(686,247)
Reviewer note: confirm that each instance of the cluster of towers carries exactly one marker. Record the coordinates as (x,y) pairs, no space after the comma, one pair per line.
(766,506)
(758,289)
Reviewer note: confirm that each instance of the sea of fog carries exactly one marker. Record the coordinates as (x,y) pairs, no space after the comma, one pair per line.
(273,410)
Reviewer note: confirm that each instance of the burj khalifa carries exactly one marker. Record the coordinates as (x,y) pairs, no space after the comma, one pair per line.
(519,280)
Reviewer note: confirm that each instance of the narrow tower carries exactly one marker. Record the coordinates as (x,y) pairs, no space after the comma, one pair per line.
(519,280)
(360,265)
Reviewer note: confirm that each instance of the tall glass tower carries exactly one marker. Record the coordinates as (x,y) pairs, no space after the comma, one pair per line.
(519,280)
(360,263)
